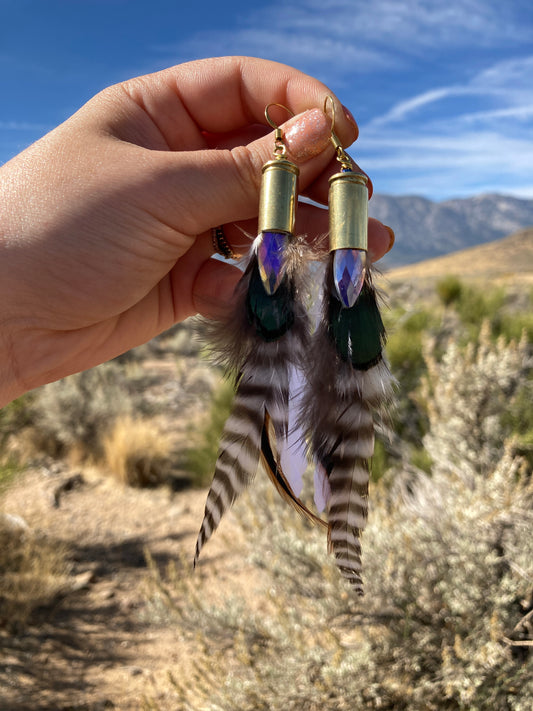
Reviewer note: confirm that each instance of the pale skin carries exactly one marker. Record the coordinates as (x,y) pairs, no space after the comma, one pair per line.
(105,226)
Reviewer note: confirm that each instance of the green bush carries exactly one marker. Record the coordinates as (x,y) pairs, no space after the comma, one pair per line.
(475,306)
(514,325)
(200,459)
(14,417)
(404,352)
(404,348)
(449,290)
(8,470)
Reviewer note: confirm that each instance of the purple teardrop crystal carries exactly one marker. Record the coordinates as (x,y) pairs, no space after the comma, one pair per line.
(349,274)
(271,259)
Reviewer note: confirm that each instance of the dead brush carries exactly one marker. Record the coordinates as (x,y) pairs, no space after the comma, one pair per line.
(137,453)
(33,572)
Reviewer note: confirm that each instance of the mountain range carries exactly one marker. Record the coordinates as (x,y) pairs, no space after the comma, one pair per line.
(425,229)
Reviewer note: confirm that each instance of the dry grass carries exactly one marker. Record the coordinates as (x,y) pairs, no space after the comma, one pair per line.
(33,572)
(509,260)
(136,452)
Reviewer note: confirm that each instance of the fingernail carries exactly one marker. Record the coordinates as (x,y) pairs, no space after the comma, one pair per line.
(307,134)
(392,237)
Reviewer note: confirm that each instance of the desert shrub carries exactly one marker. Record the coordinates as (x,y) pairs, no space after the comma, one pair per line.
(73,414)
(467,397)
(404,343)
(404,352)
(380,461)
(8,470)
(514,325)
(446,569)
(448,562)
(407,333)
(182,339)
(200,458)
(14,417)
(136,452)
(475,306)
(518,418)
(421,459)
(449,289)
(33,570)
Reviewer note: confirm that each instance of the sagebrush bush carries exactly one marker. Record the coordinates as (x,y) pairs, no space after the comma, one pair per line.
(475,306)
(468,395)
(73,414)
(448,568)
(449,289)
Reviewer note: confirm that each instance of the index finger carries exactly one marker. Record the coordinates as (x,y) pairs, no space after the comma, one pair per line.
(224,94)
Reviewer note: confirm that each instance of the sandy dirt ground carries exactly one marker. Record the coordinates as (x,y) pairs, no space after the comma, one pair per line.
(99,647)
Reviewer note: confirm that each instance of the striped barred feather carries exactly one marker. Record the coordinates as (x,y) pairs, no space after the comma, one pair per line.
(238,459)
(259,343)
(298,396)
(339,409)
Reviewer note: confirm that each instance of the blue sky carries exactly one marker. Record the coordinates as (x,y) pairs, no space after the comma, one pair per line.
(442,90)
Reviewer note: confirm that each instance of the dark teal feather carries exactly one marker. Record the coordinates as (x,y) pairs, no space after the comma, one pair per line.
(358,332)
(272,315)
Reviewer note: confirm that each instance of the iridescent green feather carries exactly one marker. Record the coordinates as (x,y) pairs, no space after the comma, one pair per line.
(272,315)
(358,332)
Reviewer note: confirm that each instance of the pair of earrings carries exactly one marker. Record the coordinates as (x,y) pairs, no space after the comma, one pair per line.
(304,392)
(348,216)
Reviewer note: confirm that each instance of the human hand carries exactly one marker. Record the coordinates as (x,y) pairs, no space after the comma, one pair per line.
(105,228)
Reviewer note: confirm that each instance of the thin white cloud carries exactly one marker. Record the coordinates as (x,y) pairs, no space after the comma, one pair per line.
(514,74)
(508,83)
(413,148)
(403,109)
(424,22)
(355,36)
(22,126)
(467,135)
(439,165)
(517,113)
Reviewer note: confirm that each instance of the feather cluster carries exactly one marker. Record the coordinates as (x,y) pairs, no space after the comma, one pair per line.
(305,392)
(348,382)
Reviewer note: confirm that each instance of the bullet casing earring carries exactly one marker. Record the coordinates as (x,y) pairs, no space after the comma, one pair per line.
(262,343)
(277,210)
(348,380)
(335,379)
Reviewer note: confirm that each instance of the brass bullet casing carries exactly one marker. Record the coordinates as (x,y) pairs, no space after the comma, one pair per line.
(277,201)
(348,211)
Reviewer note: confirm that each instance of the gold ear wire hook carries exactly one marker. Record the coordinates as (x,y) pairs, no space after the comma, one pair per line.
(279,146)
(267,115)
(343,158)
